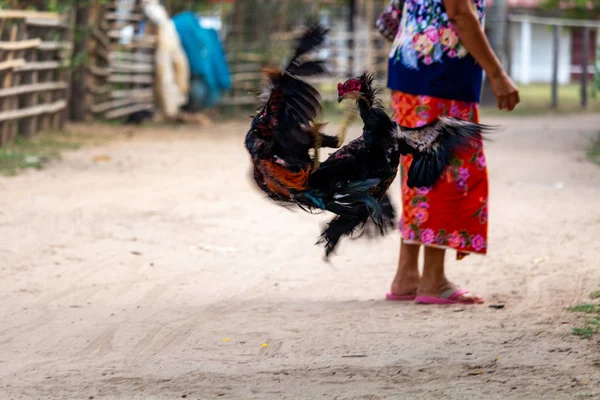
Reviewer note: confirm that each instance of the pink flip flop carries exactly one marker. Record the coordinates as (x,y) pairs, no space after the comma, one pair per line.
(448,297)
(393,297)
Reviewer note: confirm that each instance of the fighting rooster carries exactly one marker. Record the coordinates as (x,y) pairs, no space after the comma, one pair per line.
(284,130)
(375,155)
(431,146)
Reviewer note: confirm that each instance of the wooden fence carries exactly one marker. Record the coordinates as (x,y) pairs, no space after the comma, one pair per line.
(121,75)
(33,77)
(35,80)
(250,47)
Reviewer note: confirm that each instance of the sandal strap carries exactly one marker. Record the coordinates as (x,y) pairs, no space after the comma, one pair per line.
(453,294)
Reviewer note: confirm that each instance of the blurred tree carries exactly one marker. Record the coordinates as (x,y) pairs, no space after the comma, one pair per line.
(581,9)
(596,83)
(176,6)
(37,5)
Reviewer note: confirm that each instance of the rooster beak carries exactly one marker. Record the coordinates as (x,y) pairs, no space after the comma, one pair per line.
(340,99)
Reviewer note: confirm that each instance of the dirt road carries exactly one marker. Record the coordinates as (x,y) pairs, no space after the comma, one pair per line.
(162,274)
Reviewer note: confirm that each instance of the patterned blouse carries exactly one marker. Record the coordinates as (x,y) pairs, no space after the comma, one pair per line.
(428,58)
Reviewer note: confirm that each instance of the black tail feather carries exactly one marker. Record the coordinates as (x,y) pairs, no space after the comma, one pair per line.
(338,227)
(308,68)
(360,222)
(310,40)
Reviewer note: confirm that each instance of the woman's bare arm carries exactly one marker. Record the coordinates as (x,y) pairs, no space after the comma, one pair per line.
(464,18)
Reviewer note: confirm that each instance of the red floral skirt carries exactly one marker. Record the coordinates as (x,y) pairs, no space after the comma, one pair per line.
(453,213)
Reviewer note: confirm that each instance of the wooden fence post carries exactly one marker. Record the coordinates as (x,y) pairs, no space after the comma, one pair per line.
(371,37)
(555,53)
(584,66)
(81,43)
(9,78)
(29,126)
(351,30)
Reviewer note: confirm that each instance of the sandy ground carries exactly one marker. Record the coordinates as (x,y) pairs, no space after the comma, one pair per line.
(163,274)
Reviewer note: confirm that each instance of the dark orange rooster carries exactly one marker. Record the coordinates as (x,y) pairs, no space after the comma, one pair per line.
(284,130)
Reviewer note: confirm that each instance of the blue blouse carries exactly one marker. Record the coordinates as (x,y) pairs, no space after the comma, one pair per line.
(427,57)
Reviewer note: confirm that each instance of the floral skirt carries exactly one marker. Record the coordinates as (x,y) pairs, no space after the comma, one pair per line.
(453,213)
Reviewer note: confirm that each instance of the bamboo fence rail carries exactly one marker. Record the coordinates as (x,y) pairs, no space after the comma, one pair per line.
(34,47)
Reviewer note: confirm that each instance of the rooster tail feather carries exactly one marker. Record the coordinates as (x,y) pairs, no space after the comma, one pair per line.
(360,221)
(312,38)
(351,199)
(309,68)
(358,186)
(388,211)
(338,227)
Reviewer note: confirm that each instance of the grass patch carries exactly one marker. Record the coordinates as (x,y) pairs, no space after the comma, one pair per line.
(536,98)
(591,316)
(36,152)
(594,155)
(584,308)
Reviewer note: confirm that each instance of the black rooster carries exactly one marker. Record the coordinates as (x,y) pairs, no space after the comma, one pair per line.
(431,146)
(284,130)
(375,155)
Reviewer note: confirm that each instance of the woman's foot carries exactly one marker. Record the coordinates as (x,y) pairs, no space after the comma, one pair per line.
(445,292)
(405,284)
(406,281)
(435,288)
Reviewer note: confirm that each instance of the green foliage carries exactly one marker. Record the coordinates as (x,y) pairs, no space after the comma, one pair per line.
(596,83)
(594,155)
(584,308)
(24,153)
(580,9)
(36,152)
(58,6)
(591,318)
(177,6)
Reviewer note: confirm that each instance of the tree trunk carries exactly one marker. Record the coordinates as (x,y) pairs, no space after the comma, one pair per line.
(78,105)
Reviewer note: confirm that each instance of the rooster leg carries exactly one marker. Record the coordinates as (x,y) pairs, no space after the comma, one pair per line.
(317,143)
(328,141)
(350,116)
(322,140)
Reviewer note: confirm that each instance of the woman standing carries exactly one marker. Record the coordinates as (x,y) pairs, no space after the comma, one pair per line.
(435,68)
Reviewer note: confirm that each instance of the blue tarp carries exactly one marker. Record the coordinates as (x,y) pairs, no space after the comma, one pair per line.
(210,76)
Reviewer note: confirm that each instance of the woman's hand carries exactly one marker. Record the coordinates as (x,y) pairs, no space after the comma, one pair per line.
(505,90)
(466,22)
